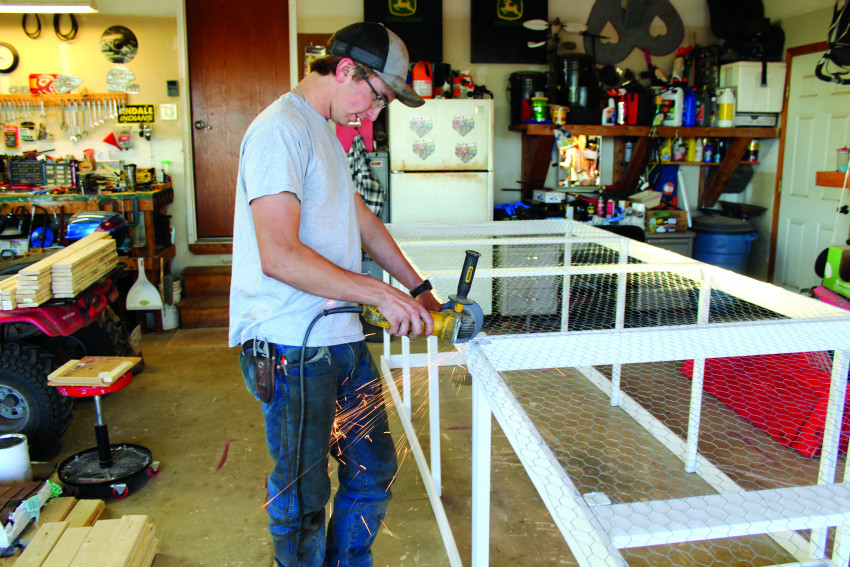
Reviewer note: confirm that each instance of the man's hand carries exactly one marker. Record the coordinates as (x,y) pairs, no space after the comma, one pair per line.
(407,316)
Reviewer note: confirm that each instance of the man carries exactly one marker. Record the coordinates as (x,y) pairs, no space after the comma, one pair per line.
(298,230)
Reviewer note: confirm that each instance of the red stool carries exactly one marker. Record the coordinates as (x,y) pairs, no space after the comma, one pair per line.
(108,465)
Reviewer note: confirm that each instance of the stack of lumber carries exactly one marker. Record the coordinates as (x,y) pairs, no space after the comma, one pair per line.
(75,273)
(8,287)
(92,371)
(128,542)
(78,513)
(67,272)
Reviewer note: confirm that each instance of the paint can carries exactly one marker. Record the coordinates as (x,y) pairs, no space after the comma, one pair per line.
(14,458)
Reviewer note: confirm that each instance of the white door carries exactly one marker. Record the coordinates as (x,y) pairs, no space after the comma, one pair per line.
(818,124)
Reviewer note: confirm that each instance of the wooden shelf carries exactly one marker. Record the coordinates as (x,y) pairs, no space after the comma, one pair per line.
(639,131)
(830,178)
(712,164)
(538,140)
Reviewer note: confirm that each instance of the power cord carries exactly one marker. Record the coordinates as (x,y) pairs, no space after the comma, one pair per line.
(324,313)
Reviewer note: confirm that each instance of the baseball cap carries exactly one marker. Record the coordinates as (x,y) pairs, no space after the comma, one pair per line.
(373,45)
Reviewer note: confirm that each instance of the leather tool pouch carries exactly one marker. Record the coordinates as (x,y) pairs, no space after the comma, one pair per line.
(264,377)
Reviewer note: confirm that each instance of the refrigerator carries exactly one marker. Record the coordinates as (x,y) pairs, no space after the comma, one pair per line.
(441,171)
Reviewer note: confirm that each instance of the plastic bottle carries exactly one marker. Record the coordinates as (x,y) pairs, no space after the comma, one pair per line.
(672,104)
(679,150)
(608,113)
(689,112)
(422,79)
(707,151)
(659,112)
(726,108)
(719,150)
(691,153)
(667,149)
(629,148)
(698,150)
(622,109)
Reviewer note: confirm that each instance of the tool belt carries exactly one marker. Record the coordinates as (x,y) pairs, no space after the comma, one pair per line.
(263,358)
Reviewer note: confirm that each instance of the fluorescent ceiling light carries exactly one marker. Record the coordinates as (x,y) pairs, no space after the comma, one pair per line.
(47,6)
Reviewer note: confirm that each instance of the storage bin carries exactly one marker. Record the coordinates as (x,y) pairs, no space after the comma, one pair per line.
(724,242)
(750,94)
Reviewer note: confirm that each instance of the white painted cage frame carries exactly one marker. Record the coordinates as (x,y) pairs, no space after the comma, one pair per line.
(595,529)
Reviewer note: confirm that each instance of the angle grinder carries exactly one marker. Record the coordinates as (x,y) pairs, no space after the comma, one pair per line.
(459,320)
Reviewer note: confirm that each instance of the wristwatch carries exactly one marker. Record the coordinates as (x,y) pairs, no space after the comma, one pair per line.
(421,288)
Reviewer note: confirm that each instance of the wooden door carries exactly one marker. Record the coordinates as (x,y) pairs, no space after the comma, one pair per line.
(817,123)
(238,64)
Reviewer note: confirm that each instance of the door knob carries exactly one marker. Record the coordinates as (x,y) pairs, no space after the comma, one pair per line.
(201,125)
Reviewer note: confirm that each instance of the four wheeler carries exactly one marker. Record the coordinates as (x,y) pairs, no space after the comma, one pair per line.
(34,341)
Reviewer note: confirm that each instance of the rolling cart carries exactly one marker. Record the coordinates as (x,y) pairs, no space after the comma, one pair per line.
(108,467)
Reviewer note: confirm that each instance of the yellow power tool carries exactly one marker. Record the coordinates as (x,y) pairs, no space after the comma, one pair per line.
(459,320)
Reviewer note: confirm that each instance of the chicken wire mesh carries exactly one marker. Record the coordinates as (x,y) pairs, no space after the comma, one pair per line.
(668,412)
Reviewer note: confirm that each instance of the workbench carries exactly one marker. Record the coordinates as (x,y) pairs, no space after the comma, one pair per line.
(149,202)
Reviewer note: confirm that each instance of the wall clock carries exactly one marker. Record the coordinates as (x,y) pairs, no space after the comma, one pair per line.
(8,58)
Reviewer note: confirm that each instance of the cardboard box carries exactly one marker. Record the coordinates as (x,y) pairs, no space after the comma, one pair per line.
(666,221)
(650,198)
(547,196)
(836,273)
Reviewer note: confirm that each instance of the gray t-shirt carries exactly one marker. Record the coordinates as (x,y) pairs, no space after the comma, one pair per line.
(290,147)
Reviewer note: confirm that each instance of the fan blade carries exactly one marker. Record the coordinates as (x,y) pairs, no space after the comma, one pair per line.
(536,25)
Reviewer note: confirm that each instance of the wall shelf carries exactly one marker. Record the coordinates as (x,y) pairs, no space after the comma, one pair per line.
(538,140)
(830,178)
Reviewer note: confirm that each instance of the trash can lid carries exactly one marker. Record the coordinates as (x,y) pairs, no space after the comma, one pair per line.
(715,224)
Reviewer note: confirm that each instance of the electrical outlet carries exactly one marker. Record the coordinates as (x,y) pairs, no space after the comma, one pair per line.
(168,112)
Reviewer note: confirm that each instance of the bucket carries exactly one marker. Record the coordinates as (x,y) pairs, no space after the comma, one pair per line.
(724,242)
(14,458)
(521,86)
(170,317)
(423,79)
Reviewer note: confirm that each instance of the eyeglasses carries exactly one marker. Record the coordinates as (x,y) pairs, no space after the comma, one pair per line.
(378,98)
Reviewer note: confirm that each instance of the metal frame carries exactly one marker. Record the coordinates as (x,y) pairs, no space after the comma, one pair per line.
(594,528)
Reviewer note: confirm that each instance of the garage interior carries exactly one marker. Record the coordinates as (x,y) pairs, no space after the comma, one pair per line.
(188,406)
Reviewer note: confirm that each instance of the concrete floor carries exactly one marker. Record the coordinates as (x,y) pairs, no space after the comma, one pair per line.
(189,406)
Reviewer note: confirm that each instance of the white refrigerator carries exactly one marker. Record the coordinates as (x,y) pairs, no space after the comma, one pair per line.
(441,161)
(441,171)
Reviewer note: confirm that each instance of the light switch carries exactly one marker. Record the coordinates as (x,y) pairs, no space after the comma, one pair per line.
(168,112)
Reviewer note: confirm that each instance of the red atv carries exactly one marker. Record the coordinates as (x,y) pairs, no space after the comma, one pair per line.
(34,341)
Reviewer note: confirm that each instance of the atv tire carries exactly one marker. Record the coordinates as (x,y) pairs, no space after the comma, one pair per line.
(27,404)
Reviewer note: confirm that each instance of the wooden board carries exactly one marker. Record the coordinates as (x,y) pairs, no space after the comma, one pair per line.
(96,544)
(92,370)
(125,542)
(57,509)
(42,544)
(66,548)
(126,539)
(46,264)
(85,513)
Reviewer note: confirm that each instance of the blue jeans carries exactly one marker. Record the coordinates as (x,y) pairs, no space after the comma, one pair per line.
(344,417)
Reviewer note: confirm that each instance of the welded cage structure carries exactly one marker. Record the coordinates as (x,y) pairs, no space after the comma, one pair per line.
(667,411)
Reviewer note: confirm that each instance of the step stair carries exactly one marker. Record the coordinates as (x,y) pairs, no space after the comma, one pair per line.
(206,297)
